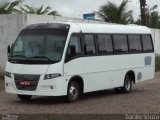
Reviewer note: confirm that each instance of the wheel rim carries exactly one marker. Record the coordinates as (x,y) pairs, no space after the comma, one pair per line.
(128,85)
(73,92)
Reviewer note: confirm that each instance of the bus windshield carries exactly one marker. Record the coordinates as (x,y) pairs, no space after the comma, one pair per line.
(34,46)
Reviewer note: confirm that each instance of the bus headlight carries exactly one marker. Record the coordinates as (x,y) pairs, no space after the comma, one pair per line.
(7,74)
(50,76)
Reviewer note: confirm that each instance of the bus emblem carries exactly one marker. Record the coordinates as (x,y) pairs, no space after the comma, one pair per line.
(26,76)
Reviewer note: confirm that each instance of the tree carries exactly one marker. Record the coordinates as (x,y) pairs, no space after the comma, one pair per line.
(154,17)
(154,20)
(138,21)
(40,11)
(8,8)
(110,12)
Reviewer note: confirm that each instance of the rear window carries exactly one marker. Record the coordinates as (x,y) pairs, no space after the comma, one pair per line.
(147,43)
(134,43)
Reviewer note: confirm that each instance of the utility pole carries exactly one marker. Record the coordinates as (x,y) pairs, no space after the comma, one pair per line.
(143,12)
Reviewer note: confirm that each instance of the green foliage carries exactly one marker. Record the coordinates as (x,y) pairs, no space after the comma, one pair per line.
(110,12)
(153,18)
(14,7)
(158,64)
(9,8)
(39,11)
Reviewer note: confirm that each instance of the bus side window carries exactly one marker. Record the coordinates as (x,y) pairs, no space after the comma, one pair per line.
(120,44)
(134,43)
(89,46)
(74,47)
(147,43)
(104,44)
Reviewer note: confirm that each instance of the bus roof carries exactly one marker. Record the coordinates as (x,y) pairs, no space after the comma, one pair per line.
(113,28)
(93,28)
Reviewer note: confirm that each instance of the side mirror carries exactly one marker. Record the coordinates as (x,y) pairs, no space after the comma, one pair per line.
(72,50)
(8,49)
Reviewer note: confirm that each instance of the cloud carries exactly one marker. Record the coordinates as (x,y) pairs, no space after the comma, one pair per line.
(76,8)
(70,8)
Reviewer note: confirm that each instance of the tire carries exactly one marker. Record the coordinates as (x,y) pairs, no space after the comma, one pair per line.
(73,92)
(24,97)
(127,84)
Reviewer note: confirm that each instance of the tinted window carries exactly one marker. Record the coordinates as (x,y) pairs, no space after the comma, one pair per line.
(39,46)
(120,43)
(147,43)
(74,47)
(105,44)
(89,47)
(134,43)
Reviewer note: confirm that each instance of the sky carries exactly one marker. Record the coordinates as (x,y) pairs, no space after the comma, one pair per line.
(76,8)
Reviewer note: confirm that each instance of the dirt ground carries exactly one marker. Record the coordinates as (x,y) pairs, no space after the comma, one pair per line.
(144,99)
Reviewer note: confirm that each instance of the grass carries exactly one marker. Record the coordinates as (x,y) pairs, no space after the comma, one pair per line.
(158,64)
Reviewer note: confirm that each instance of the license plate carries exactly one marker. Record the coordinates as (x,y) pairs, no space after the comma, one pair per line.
(25,83)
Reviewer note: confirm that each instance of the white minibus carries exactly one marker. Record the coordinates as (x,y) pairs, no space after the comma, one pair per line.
(68,59)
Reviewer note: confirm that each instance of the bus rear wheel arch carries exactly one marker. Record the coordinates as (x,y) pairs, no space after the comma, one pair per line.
(128,80)
(75,88)
(131,74)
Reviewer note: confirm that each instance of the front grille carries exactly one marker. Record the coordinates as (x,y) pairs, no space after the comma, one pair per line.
(34,79)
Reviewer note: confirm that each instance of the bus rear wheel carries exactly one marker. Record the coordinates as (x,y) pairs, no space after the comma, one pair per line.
(24,97)
(127,87)
(73,92)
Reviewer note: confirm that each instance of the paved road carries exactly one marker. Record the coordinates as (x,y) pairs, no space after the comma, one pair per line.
(145,98)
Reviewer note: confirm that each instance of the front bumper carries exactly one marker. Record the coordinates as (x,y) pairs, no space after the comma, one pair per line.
(50,87)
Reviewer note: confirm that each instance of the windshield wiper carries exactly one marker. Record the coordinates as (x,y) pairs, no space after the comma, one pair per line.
(41,57)
(20,56)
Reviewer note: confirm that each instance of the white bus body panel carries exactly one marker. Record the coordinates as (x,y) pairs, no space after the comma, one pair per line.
(105,72)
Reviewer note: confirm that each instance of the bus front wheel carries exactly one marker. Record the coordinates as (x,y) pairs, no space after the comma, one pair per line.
(73,92)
